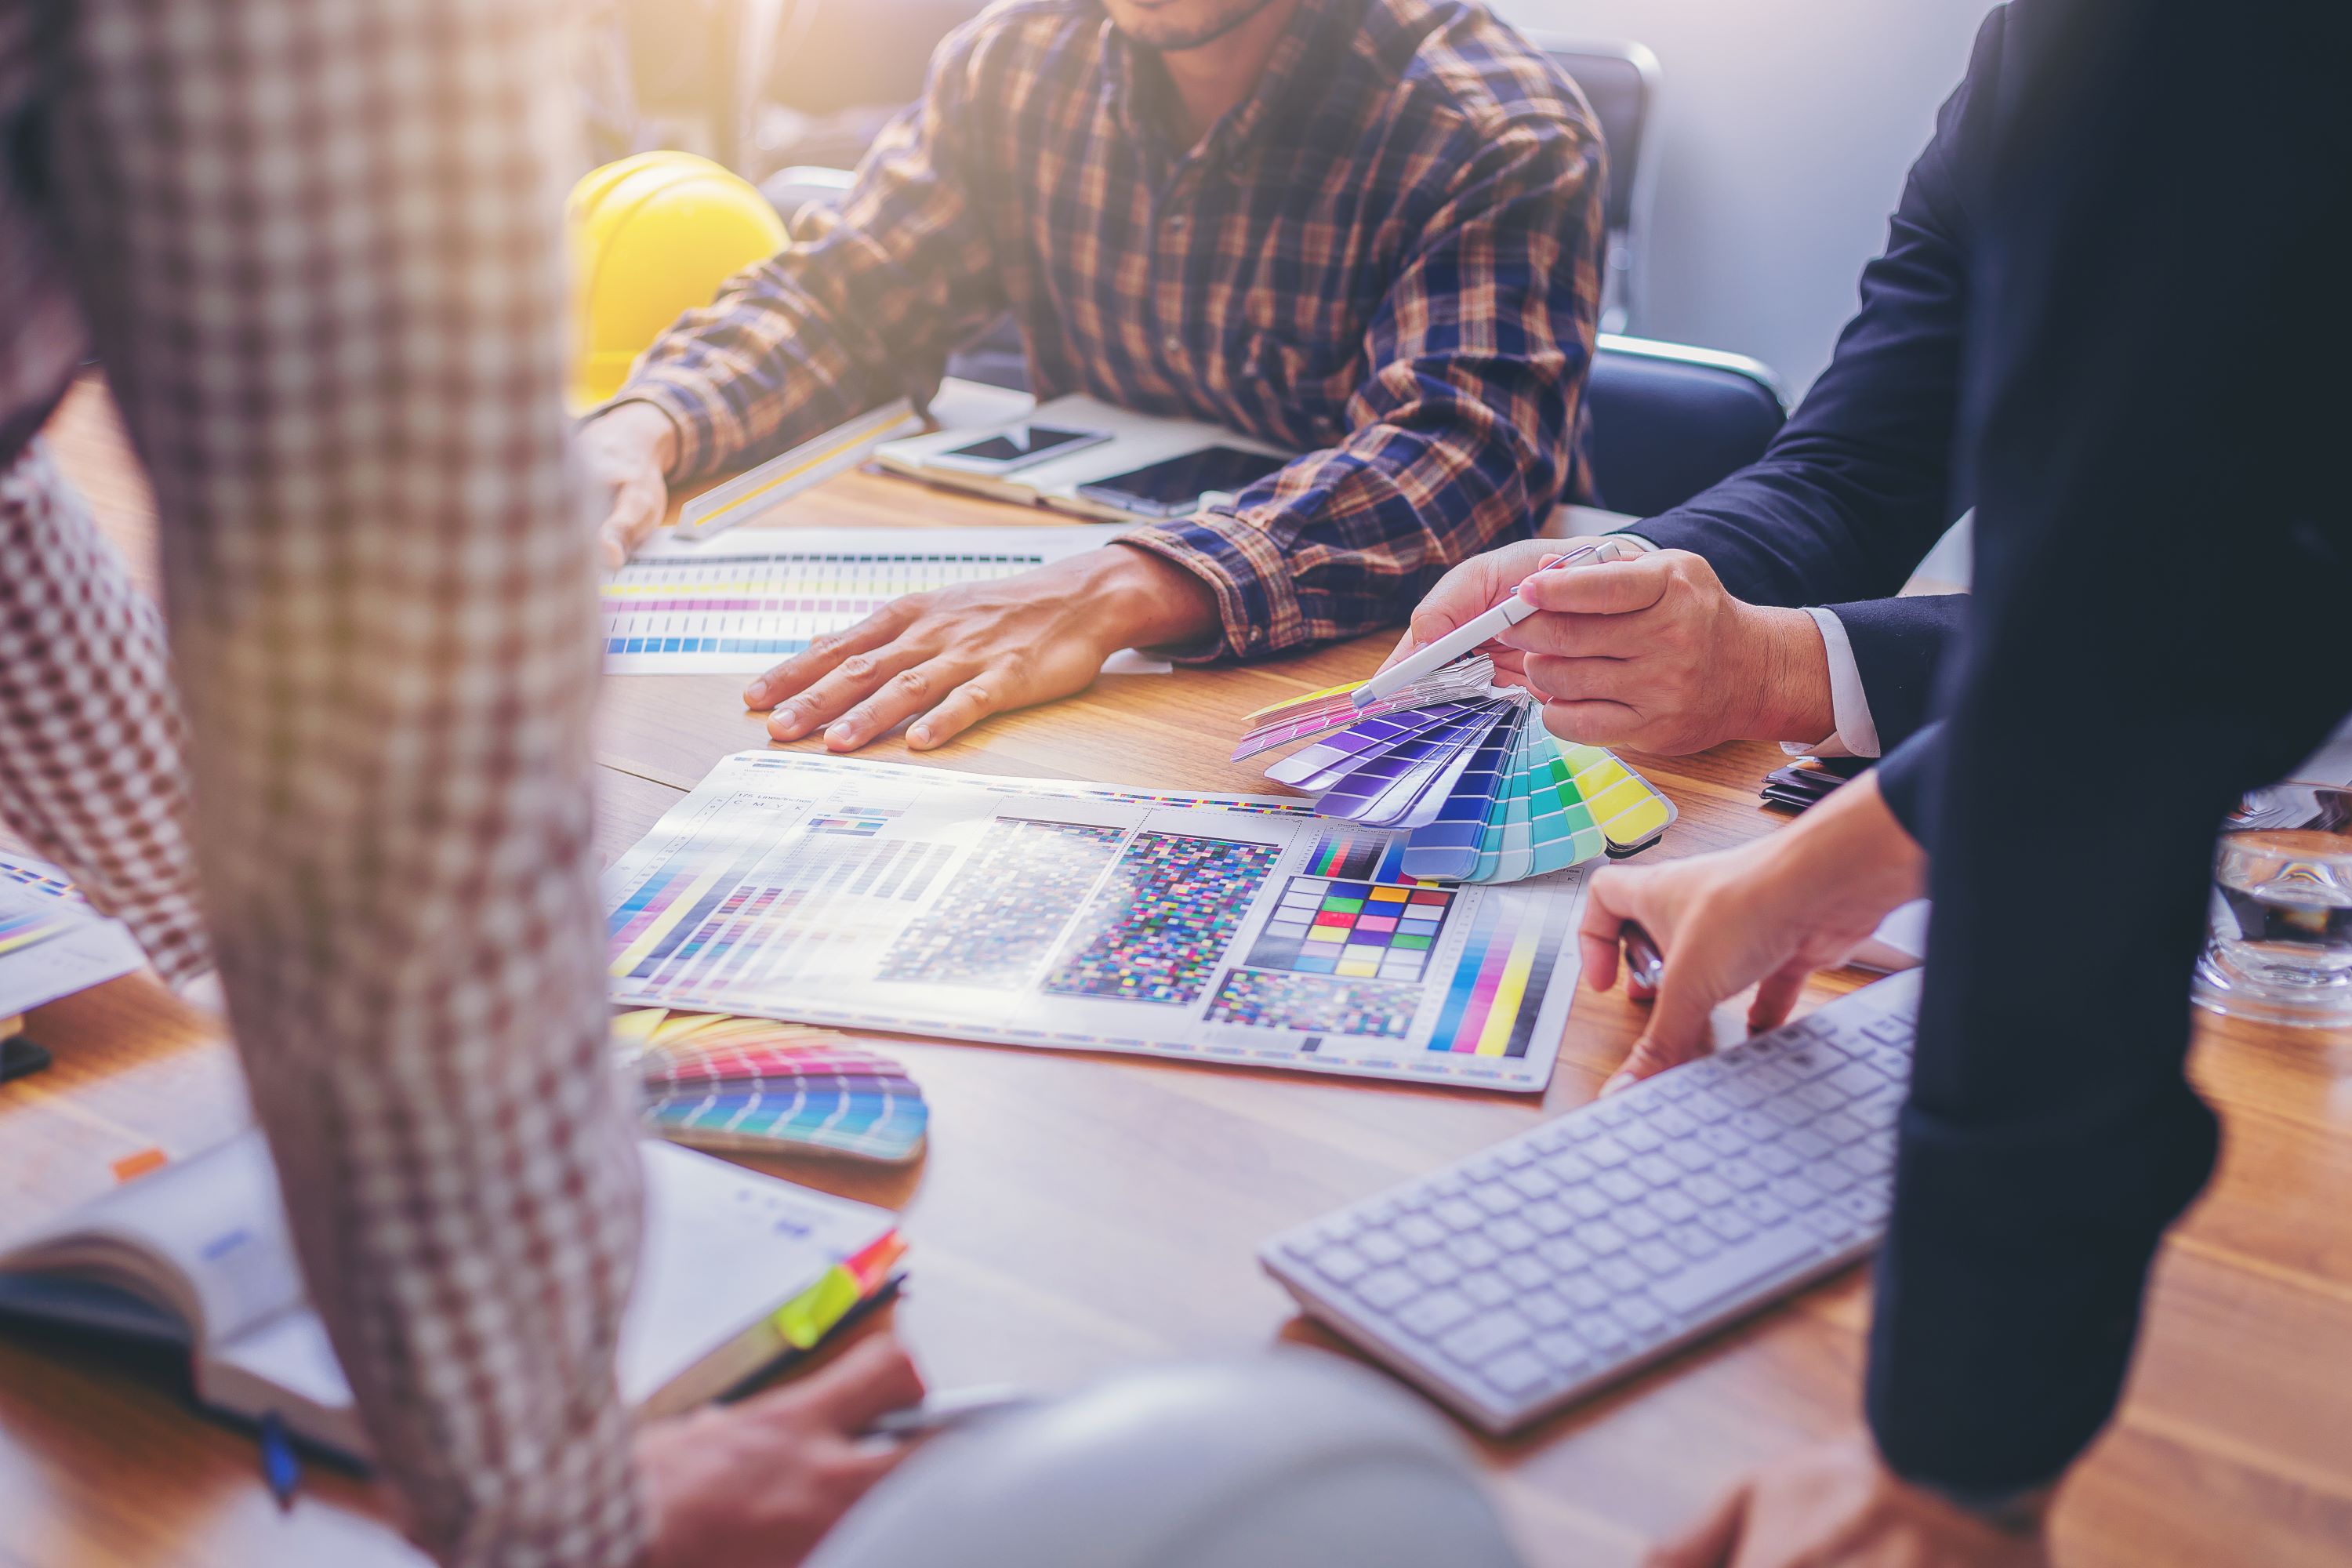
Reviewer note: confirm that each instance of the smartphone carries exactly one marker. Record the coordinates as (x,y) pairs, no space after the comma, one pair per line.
(1173,487)
(1017,446)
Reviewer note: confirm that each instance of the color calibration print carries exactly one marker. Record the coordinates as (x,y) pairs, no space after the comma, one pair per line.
(1159,927)
(1048,913)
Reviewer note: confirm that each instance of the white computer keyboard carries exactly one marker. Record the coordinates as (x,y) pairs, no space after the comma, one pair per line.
(1524,1277)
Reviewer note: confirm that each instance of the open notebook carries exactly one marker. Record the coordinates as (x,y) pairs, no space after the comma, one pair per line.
(738,1269)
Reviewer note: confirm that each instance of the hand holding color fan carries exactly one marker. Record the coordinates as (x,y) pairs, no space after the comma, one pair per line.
(1467,769)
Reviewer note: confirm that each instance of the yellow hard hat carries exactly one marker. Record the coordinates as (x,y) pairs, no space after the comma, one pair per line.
(650,237)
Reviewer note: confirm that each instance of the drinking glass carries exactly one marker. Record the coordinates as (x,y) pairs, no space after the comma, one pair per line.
(2279,945)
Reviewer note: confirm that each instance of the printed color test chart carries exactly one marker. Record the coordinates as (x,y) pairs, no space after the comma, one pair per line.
(1041,912)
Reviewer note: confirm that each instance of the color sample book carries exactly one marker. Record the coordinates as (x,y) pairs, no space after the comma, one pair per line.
(756,1086)
(1239,929)
(746,600)
(1484,791)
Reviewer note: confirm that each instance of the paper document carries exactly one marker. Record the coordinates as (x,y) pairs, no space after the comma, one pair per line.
(1220,928)
(751,599)
(52,943)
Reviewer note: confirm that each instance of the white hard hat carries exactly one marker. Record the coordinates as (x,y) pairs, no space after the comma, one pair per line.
(1287,1459)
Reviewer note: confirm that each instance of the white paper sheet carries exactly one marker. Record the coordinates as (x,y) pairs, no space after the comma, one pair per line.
(748,599)
(1042,913)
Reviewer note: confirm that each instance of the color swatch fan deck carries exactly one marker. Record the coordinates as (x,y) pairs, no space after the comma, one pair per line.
(1243,930)
(756,1086)
(1466,769)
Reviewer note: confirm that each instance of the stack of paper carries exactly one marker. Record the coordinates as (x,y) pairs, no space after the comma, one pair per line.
(52,943)
(1485,792)
(756,1086)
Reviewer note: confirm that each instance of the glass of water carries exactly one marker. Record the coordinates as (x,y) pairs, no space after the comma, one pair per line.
(2279,947)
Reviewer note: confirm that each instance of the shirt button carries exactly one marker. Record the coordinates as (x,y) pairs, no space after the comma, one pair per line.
(1176,223)
(1174,345)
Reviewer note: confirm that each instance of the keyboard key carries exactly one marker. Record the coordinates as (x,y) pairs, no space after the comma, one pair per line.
(1691,1157)
(1706,1190)
(1563,1350)
(1343,1227)
(1433,1267)
(1867,1204)
(1600,1331)
(1672,1123)
(1621,1274)
(1387,1289)
(1820,1097)
(1487,1167)
(1433,1314)
(1383,1210)
(1640,1137)
(1583,1291)
(1545,1310)
(1610,1113)
(1533,1184)
(1671,1206)
(1590,1203)
(1483,1335)
(1510,1233)
(1734,1270)
(1723,1143)
(1600,1238)
(1494,1198)
(1761,1207)
(1840,1127)
(1563,1255)
(1807,1145)
(1811,1061)
(1796,1193)
(1472,1251)
(1775,1159)
(1485,1289)
(1773,1079)
(1694,1240)
(1637,1314)
(1656,1257)
(1728,1222)
(1706,1105)
(1448,1184)
(1857,1078)
(1869,1158)
(1380,1246)
(1621,1186)
(1637,1221)
(1604,1151)
(1418,1230)
(1340,1265)
(1553,1136)
(1517,1371)
(1738,1172)
(1656,1170)
(1459,1214)
(1525,1271)
(1754,1126)
(1829,1222)
(1571,1167)
(1893,1031)
(1517,1156)
(1740,1094)
(1548,1218)
(1829,1175)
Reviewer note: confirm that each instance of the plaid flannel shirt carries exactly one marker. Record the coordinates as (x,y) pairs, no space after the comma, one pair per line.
(316,244)
(1387,257)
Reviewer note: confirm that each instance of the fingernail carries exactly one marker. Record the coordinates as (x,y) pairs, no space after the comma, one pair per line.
(784,722)
(840,735)
(920,735)
(1622,1080)
(756,692)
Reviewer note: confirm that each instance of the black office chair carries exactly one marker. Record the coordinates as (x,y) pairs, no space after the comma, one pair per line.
(1669,420)
(1621,81)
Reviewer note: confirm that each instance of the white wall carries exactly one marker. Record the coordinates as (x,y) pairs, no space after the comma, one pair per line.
(1783,132)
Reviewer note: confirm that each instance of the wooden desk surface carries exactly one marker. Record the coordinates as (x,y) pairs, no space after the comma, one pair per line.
(1078,1212)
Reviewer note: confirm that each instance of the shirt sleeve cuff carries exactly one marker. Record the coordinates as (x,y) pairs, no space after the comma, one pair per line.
(1856,734)
(707,431)
(1257,607)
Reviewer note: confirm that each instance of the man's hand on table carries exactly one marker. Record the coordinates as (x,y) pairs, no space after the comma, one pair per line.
(1649,650)
(758,1483)
(948,659)
(1766,915)
(629,450)
(1840,1505)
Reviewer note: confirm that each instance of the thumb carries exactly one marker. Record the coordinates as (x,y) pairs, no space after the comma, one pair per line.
(1710,1543)
(871,1379)
(1478,585)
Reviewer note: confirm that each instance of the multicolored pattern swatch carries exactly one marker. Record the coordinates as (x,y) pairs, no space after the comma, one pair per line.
(1358,930)
(1162,922)
(997,920)
(1316,1005)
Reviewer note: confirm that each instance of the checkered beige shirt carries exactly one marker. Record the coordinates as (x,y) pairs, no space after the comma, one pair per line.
(315,244)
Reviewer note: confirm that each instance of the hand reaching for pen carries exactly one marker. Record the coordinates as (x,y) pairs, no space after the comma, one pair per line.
(1766,915)
(1478,585)
(948,659)
(758,1483)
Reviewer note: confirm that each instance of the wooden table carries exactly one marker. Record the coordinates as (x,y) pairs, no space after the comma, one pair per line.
(1079,1213)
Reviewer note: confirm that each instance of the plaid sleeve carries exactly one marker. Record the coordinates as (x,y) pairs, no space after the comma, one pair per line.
(862,306)
(1463,432)
(318,245)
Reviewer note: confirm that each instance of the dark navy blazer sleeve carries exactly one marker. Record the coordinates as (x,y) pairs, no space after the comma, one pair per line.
(1858,485)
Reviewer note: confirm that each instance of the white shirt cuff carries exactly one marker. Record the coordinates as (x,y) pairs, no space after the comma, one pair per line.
(1857,734)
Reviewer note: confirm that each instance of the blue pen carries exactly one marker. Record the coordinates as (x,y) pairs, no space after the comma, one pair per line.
(279,1467)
